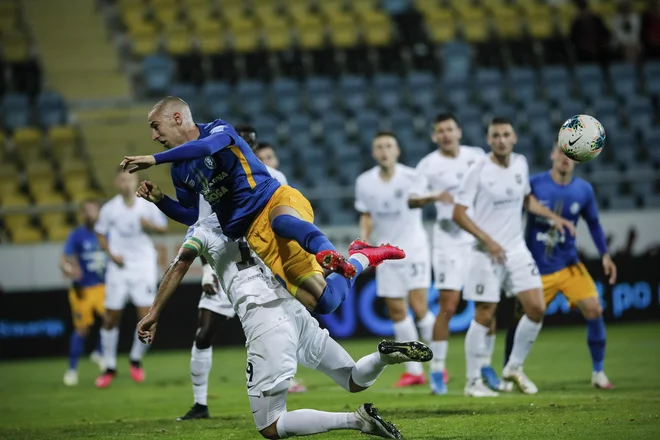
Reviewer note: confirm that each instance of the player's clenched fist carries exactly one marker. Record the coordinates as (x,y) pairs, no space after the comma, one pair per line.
(146,328)
(149,191)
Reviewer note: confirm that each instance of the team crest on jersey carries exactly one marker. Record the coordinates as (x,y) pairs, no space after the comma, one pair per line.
(209,162)
(398,193)
(518,179)
(575,208)
(509,192)
(87,245)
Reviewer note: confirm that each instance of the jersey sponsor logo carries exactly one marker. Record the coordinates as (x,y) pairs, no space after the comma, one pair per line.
(212,195)
(218,129)
(575,208)
(209,162)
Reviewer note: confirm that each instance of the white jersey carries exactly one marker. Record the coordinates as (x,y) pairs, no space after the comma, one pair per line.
(205,209)
(126,238)
(437,173)
(387,203)
(497,195)
(243,276)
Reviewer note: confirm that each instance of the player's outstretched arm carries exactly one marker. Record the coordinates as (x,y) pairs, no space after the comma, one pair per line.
(195,149)
(171,280)
(533,206)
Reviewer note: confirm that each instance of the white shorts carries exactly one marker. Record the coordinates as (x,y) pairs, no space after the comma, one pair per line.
(394,279)
(218,303)
(451,266)
(273,356)
(120,289)
(486,279)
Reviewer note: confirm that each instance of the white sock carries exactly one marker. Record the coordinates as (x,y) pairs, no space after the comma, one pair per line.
(525,336)
(425,326)
(310,421)
(439,349)
(475,339)
(109,339)
(138,349)
(488,349)
(406,331)
(367,369)
(200,367)
(362,259)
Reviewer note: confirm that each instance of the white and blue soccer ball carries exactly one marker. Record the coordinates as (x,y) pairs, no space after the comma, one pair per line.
(581,138)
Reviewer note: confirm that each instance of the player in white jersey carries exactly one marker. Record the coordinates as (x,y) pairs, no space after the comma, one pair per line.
(496,189)
(438,176)
(281,333)
(381,198)
(132,272)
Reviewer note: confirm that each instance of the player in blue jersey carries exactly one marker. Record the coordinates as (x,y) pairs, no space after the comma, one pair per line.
(556,255)
(83,262)
(277,220)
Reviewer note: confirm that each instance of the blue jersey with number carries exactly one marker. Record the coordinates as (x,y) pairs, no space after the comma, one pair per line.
(552,250)
(232,180)
(83,245)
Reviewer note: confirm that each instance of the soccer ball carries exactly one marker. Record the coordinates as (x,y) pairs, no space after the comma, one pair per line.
(581,138)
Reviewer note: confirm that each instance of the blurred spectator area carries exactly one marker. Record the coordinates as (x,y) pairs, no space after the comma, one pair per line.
(318,79)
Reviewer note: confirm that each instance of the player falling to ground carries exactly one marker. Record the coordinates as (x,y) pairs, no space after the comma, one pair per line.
(438,176)
(381,198)
(212,160)
(214,307)
(497,188)
(132,272)
(557,258)
(280,333)
(83,262)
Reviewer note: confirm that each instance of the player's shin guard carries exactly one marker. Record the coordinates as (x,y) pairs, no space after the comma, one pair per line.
(337,287)
(308,236)
(425,326)
(596,341)
(309,421)
(138,349)
(405,330)
(200,367)
(109,340)
(76,348)
(523,340)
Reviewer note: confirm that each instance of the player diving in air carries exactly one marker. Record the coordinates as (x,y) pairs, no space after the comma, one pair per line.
(557,258)
(280,333)
(212,160)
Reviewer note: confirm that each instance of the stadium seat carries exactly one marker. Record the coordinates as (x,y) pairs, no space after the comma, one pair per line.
(210,37)
(651,72)
(623,78)
(15,110)
(285,95)
(507,21)
(489,85)
(590,80)
(157,72)
(640,112)
(16,46)
(166,12)
(144,40)
(539,21)
(50,109)
(277,35)
(28,142)
(556,83)
(298,123)
(570,107)
(26,235)
(177,39)
(457,60)
(57,232)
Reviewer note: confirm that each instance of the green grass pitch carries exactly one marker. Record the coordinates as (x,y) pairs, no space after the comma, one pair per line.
(35,405)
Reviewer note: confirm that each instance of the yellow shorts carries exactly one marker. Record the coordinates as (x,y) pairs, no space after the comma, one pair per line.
(574,282)
(288,261)
(85,302)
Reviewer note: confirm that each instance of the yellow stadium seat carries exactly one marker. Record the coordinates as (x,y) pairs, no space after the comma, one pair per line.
(565,14)
(144,45)
(26,235)
(199,5)
(466,11)
(232,12)
(14,200)
(540,26)
(142,28)
(167,17)
(16,46)
(53,218)
(246,41)
(178,40)
(442,30)
(16,221)
(8,180)
(507,22)
(265,11)
(123,4)
(39,169)
(332,7)
(424,6)
(364,7)
(133,15)
(277,38)
(211,41)
(299,12)
(344,36)
(243,25)
(28,143)
(378,36)
(49,198)
(311,37)
(58,233)
(374,18)
(198,16)
(476,31)
(62,134)
(85,194)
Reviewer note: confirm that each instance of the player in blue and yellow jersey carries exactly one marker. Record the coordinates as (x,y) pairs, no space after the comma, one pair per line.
(277,220)
(556,255)
(83,262)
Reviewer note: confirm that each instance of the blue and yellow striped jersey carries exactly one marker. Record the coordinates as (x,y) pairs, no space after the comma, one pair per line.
(233,180)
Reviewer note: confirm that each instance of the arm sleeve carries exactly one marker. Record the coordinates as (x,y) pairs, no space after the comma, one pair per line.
(590,215)
(177,212)
(102,225)
(528,187)
(467,191)
(196,149)
(70,244)
(196,239)
(360,203)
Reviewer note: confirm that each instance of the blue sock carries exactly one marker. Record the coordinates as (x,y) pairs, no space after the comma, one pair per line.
(596,342)
(336,289)
(99,346)
(76,348)
(308,236)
